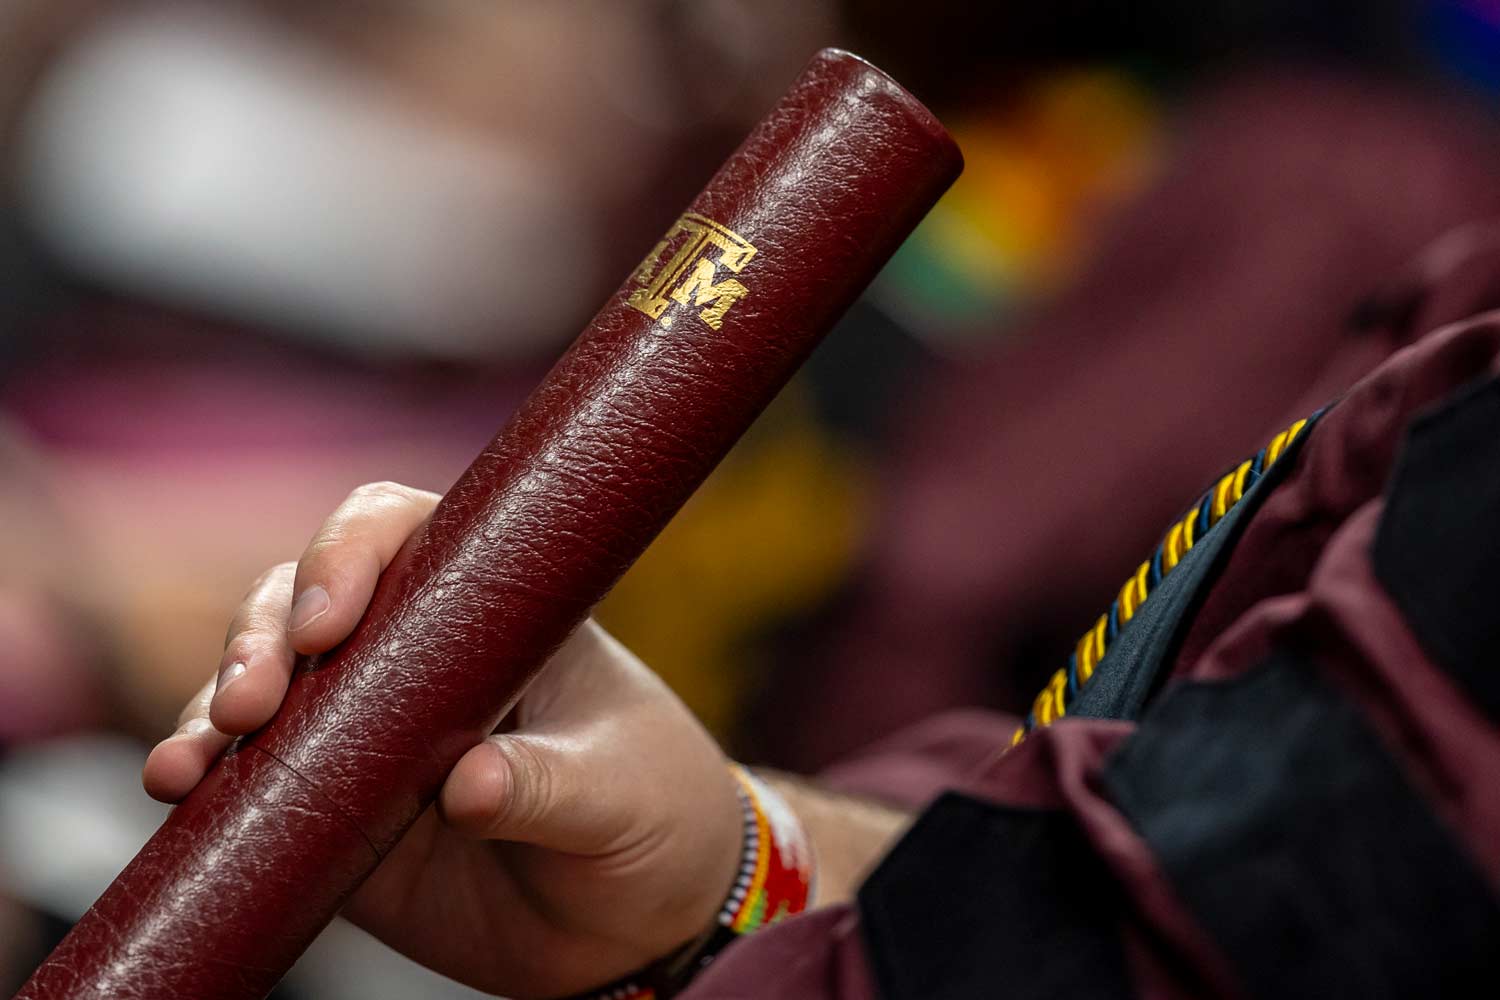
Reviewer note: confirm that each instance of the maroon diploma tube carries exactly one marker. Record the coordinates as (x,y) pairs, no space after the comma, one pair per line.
(246,872)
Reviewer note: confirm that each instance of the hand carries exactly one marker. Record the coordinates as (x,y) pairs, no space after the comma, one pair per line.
(597,831)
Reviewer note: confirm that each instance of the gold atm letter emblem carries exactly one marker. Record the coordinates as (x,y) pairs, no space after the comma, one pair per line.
(683,266)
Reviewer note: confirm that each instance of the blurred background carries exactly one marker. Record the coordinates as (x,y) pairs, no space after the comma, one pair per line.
(254,254)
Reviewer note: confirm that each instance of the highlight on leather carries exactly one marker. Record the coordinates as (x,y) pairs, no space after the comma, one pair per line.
(720,313)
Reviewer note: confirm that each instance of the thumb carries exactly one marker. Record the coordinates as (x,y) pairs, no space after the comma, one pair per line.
(535,789)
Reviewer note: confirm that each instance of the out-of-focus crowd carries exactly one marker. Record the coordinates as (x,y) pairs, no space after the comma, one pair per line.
(258,252)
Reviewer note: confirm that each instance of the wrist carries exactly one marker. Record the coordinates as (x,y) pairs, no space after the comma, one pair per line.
(801,848)
(773,879)
(847,835)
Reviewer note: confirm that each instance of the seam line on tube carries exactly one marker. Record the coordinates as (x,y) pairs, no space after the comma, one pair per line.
(342,813)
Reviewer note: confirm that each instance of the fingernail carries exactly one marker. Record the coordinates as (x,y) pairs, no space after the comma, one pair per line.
(310,605)
(229,675)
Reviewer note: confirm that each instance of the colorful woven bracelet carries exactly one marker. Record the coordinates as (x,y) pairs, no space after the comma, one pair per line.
(775,880)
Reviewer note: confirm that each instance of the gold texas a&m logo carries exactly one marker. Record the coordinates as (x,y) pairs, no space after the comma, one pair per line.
(683,266)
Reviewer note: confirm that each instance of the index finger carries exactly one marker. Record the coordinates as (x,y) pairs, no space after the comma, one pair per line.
(337,573)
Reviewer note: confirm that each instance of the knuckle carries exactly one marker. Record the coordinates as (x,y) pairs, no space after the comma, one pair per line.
(277,574)
(332,542)
(379,494)
(359,518)
(245,616)
(328,539)
(197,708)
(532,790)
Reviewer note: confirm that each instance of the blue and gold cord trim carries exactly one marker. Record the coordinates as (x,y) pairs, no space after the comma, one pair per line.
(1052,704)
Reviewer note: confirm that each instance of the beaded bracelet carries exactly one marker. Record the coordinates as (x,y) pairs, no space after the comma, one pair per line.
(775,880)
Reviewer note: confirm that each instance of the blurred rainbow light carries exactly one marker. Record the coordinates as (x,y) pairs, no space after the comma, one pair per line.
(1041,170)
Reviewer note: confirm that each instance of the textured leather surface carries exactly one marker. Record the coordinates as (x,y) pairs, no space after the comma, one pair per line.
(243,876)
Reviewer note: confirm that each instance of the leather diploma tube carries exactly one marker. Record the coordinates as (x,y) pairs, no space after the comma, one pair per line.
(244,874)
